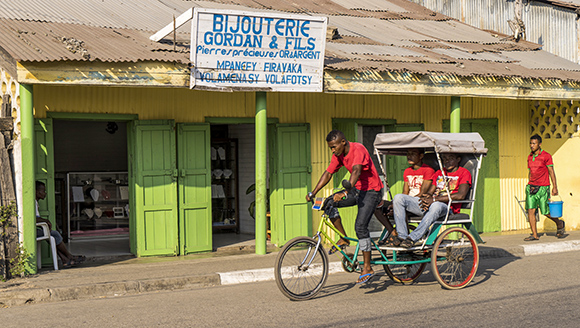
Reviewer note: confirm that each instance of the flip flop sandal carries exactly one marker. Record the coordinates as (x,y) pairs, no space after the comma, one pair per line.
(364,278)
(389,241)
(333,249)
(561,233)
(69,264)
(531,238)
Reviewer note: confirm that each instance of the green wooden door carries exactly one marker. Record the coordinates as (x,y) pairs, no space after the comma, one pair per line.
(44,172)
(290,168)
(487,216)
(154,171)
(194,165)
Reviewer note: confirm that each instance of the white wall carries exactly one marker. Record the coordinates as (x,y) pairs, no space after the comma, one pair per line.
(246,171)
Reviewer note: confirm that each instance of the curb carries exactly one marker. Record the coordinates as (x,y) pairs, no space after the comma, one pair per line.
(40,295)
(546,248)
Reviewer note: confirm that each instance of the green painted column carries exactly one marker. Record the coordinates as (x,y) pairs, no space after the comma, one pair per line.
(28,177)
(455,119)
(261,175)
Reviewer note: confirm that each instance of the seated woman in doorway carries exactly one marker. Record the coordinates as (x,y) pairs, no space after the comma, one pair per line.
(418,178)
(68,260)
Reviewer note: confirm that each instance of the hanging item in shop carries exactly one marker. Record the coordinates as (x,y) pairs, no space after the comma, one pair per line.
(95,194)
(112,127)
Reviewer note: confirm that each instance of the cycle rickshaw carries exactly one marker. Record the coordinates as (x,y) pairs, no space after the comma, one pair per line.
(302,264)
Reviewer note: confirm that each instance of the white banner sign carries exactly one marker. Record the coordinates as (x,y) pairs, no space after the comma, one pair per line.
(251,50)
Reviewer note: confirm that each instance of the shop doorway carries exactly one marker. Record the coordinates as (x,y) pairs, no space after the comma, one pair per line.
(91,186)
(89,153)
(288,180)
(232,183)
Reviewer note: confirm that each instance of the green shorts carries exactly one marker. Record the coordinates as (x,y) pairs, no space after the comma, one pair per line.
(539,200)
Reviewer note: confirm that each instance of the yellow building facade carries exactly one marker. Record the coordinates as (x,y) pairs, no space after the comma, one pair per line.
(514,120)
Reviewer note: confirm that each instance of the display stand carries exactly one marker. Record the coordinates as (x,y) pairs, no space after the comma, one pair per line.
(224,184)
(98,203)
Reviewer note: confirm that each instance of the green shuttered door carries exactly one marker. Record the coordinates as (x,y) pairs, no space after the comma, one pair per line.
(290,182)
(487,216)
(194,166)
(155,184)
(44,172)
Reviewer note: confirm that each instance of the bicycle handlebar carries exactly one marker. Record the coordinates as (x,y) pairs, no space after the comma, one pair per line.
(346,184)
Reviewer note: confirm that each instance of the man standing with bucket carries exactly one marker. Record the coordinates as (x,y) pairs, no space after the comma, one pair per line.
(541,171)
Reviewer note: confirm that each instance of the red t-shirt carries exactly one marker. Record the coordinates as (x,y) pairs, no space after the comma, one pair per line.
(415,178)
(454,179)
(358,155)
(538,166)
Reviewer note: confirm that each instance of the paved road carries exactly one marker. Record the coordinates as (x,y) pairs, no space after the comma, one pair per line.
(534,291)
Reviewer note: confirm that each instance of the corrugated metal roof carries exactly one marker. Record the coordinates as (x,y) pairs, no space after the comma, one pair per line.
(447,31)
(372,5)
(553,24)
(387,32)
(463,55)
(401,37)
(564,3)
(369,49)
(542,60)
(38,41)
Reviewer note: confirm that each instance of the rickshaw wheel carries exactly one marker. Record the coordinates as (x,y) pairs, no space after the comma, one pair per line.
(405,273)
(455,258)
(347,265)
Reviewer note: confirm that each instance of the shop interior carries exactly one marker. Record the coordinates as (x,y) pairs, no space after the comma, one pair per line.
(233,177)
(91,185)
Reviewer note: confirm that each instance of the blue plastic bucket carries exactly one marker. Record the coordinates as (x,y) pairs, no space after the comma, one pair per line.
(556,209)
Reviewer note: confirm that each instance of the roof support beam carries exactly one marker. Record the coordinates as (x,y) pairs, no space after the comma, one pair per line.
(152,74)
(175,75)
(445,85)
(182,19)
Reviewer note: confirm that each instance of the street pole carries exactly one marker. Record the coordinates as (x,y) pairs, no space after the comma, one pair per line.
(455,117)
(28,176)
(261,175)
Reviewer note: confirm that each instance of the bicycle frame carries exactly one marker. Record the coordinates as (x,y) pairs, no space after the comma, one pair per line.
(383,260)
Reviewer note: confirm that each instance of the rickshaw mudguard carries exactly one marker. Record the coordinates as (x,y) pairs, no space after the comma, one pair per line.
(473,231)
(433,234)
(468,226)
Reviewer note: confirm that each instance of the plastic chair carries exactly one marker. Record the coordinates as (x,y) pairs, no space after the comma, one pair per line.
(52,241)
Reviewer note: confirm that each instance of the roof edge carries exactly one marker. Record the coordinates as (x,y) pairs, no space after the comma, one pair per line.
(8,62)
(449,85)
(561,4)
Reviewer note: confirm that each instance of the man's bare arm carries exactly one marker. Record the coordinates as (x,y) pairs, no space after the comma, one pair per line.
(552,174)
(326,176)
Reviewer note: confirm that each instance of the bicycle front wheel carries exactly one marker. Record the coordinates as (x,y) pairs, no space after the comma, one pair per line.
(301,269)
(455,258)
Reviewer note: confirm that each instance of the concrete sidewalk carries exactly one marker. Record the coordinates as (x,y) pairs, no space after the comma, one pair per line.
(116,277)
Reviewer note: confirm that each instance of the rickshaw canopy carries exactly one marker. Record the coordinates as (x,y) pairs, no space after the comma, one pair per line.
(397,143)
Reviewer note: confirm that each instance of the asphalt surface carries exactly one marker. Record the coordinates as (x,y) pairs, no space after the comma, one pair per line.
(121,276)
(500,295)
